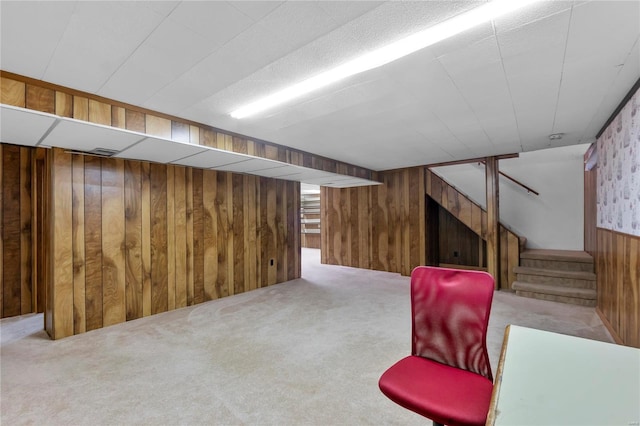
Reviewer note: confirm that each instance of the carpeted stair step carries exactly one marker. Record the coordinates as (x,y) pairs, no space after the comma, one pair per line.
(576,279)
(575,296)
(564,260)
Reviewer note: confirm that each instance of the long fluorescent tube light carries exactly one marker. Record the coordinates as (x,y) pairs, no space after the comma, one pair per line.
(387,54)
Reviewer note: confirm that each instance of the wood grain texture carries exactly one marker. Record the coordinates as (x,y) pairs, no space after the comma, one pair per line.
(198,237)
(41,99)
(493,218)
(64,104)
(113,242)
(11,231)
(590,210)
(61,284)
(81,108)
(223,234)
(158,209)
(158,126)
(133,239)
(135,121)
(26,266)
(212,236)
(93,242)
(238,228)
(145,210)
(118,117)
(189,234)
(617,263)
(180,235)
(12,92)
(171,239)
(99,112)
(79,259)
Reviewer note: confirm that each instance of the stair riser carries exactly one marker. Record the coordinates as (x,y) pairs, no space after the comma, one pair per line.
(559,281)
(555,298)
(557,265)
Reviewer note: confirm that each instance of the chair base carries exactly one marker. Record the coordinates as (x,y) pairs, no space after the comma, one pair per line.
(444,394)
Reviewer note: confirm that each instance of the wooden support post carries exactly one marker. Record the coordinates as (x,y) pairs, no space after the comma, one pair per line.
(493,218)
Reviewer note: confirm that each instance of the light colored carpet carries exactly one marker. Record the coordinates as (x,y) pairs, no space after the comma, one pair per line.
(308,351)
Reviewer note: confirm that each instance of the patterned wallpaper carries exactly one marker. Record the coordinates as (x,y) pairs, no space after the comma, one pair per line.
(618,201)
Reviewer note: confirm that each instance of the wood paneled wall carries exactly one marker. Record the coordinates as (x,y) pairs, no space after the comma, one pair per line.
(132,239)
(475,218)
(376,227)
(17,295)
(617,261)
(457,243)
(590,211)
(34,94)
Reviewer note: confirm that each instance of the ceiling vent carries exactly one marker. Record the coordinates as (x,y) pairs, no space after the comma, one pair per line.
(102,152)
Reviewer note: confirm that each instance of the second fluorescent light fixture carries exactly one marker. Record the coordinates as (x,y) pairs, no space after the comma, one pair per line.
(386,54)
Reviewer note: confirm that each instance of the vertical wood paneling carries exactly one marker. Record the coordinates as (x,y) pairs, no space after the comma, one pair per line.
(618,283)
(181,248)
(198,238)
(93,242)
(80,108)
(238,261)
(250,236)
(113,241)
(99,112)
(228,214)
(189,234)
(135,121)
(64,104)
(79,259)
(145,211)
(493,217)
(171,239)
(158,126)
(271,228)
(25,232)
(61,284)
(11,231)
(12,92)
(118,117)
(133,239)
(41,99)
(158,208)
(211,236)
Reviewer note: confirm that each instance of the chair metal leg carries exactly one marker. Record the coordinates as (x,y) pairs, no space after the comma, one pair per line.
(437,424)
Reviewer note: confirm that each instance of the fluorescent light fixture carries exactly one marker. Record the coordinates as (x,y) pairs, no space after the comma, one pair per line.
(386,54)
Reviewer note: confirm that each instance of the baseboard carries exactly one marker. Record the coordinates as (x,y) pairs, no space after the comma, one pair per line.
(609,327)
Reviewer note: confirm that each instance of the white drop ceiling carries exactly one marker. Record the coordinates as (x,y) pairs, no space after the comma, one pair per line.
(500,88)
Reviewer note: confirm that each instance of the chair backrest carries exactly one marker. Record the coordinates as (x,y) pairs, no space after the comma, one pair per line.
(450,310)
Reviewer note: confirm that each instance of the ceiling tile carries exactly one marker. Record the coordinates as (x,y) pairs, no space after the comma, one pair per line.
(25,51)
(23,127)
(210,158)
(256,10)
(217,21)
(160,150)
(79,135)
(169,52)
(99,37)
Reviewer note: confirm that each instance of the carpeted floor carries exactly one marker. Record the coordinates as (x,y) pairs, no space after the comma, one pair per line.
(308,351)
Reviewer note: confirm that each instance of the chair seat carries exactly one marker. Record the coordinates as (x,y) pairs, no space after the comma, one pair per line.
(444,394)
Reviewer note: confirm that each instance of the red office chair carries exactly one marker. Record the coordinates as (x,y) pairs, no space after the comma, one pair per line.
(447,378)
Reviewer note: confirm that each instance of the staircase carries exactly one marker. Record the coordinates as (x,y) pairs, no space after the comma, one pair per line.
(558,275)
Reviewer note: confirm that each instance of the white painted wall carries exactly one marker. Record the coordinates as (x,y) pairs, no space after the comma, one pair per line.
(552,220)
